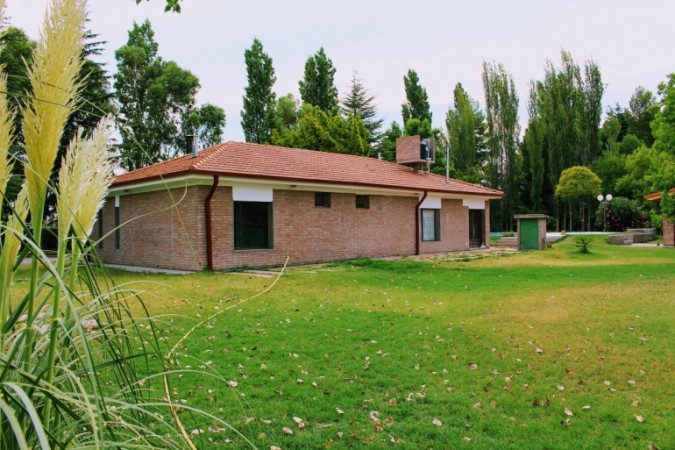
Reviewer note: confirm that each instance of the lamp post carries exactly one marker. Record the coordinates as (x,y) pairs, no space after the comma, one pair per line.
(608,198)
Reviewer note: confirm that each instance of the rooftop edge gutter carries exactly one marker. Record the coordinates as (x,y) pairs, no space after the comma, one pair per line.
(417,222)
(494,194)
(207,209)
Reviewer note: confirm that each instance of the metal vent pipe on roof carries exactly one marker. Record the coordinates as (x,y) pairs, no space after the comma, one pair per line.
(191,145)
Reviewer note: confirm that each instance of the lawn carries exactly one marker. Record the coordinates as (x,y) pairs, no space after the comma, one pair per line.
(544,349)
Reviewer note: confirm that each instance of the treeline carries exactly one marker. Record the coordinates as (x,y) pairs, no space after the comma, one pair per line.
(632,152)
(152,101)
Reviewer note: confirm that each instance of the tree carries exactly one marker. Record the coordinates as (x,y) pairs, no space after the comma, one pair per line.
(318,86)
(318,130)
(206,122)
(501,110)
(286,112)
(92,103)
(610,167)
(359,103)
(171,5)
(641,115)
(153,97)
(464,124)
(647,170)
(568,109)
(257,117)
(417,101)
(663,125)
(417,127)
(387,148)
(16,57)
(578,186)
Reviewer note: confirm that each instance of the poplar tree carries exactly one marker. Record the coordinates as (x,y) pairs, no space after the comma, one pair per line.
(501,110)
(566,108)
(258,116)
(358,103)
(318,86)
(464,124)
(417,101)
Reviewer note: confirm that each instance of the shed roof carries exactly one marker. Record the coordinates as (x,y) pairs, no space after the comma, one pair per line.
(269,162)
(656,196)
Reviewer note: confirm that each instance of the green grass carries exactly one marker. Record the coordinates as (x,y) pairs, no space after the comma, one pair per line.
(416,341)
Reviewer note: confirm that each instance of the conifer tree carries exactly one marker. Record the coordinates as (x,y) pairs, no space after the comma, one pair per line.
(358,103)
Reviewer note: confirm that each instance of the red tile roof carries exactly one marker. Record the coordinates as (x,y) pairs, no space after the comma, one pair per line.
(246,160)
(656,196)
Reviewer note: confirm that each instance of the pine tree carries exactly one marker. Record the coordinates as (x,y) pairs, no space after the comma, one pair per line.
(258,115)
(318,86)
(358,103)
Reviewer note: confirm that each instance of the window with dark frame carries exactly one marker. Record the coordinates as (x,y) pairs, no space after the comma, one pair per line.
(431,224)
(118,238)
(363,201)
(99,221)
(253,225)
(322,199)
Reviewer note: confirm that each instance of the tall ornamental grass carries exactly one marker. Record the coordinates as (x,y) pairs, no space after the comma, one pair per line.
(76,368)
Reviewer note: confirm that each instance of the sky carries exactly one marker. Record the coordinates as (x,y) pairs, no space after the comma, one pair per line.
(444,41)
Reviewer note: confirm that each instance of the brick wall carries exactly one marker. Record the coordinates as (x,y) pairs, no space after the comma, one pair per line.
(668,233)
(169,229)
(309,234)
(454,229)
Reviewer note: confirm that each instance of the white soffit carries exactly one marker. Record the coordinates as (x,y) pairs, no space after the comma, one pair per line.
(252,194)
(431,203)
(474,204)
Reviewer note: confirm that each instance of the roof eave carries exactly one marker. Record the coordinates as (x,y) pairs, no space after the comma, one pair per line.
(492,194)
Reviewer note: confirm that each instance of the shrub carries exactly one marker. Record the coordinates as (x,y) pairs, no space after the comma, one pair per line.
(622,213)
(583,243)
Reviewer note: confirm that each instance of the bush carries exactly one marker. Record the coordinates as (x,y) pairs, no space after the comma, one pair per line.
(584,244)
(622,213)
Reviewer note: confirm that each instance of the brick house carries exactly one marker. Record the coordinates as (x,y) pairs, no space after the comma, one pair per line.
(241,204)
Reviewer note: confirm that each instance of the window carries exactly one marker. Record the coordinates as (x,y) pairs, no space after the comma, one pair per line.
(431,224)
(99,221)
(252,225)
(363,201)
(322,199)
(118,238)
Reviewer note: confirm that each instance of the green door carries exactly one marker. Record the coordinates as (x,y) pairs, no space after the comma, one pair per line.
(529,234)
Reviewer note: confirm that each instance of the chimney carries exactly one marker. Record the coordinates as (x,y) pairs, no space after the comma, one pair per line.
(414,151)
(191,145)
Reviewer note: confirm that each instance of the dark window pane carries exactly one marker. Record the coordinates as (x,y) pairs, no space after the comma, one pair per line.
(117,228)
(363,201)
(100,228)
(252,225)
(322,199)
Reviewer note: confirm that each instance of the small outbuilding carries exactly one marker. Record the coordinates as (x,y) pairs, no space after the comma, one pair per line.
(531,231)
